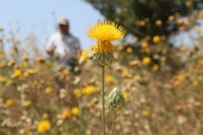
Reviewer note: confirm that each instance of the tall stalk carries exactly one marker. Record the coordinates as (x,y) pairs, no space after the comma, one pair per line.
(113,124)
(103,106)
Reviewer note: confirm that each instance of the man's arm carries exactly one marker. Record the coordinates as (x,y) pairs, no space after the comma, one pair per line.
(50,48)
(77,47)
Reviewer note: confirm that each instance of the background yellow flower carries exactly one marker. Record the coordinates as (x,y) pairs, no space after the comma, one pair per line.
(44,126)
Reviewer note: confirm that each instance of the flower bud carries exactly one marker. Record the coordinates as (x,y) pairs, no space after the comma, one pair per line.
(103,59)
(115,100)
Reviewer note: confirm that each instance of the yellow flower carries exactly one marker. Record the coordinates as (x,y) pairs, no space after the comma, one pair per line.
(25,58)
(188,3)
(3,79)
(146,113)
(48,90)
(84,56)
(89,90)
(156,39)
(129,50)
(75,111)
(103,47)
(125,72)
(43,126)
(132,63)
(34,71)
(65,71)
(11,63)
(77,92)
(88,132)
(135,39)
(9,82)
(17,73)
(180,77)
(2,65)
(142,22)
(26,103)
(9,102)
(158,22)
(137,77)
(119,48)
(144,44)
(155,67)
(105,32)
(171,18)
(66,114)
(29,133)
(45,115)
(126,95)
(109,79)
(195,82)
(40,59)
(146,60)
(26,73)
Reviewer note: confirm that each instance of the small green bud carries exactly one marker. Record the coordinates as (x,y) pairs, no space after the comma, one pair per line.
(115,100)
(103,59)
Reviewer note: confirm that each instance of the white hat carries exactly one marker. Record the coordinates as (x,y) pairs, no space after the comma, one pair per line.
(63,21)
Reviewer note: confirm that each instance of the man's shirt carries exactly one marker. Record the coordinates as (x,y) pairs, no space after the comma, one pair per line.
(65,46)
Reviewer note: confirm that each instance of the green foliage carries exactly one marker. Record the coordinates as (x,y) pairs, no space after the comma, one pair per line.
(140,17)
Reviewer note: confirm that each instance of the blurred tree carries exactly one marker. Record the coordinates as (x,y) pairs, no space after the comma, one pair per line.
(146,17)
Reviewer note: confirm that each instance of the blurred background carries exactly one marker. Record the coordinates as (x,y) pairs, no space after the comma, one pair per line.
(158,67)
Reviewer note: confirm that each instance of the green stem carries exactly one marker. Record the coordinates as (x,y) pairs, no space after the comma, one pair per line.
(113,124)
(103,107)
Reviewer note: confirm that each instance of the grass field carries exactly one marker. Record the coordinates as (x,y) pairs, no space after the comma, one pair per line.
(162,98)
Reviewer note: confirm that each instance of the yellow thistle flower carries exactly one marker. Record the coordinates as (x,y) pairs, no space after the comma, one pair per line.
(48,90)
(137,77)
(11,63)
(125,72)
(44,126)
(84,56)
(105,32)
(88,90)
(146,60)
(77,92)
(180,77)
(158,22)
(34,71)
(26,103)
(45,115)
(126,95)
(2,65)
(156,39)
(9,102)
(3,79)
(75,111)
(29,133)
(195,82)
(155,67)
(25,58)
(66,114)
(146,113)
(65,71)
(129,50)
(16,74)
(109,79)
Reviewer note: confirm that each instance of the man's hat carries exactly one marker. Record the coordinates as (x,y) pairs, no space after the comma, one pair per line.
(63,21)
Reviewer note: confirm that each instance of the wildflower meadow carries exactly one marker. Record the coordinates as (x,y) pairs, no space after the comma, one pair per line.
(137,85)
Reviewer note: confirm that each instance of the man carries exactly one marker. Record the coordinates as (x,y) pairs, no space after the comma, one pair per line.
(67,48)
(64,45)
